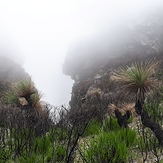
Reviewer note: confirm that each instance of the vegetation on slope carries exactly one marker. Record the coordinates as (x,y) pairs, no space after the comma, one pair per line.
(93,129)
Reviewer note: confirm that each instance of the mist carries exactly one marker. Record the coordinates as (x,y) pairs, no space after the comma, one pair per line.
(40,34)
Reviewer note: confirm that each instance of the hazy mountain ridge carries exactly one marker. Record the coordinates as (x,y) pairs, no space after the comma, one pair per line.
(90,63)
(136,38)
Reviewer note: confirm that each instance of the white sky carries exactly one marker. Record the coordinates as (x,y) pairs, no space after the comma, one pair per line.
(41,31)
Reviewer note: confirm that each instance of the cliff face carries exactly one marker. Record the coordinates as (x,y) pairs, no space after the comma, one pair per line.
(90,63)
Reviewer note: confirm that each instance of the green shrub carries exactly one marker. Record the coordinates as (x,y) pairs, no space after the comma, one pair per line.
(60,153)
(41,144)
(110,147)
(56,154)
(110,124)
(93,128)
(32,158)
(155,111)
(61,134)
(4,155)
(128,136)
(49,157)
(50,146)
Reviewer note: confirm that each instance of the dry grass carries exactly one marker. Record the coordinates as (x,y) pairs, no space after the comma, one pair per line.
(123,108)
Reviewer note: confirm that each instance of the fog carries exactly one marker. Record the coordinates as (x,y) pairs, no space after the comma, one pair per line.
(38,34)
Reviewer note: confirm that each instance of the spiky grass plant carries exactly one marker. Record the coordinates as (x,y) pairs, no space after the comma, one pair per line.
(23,93)
(36,100)
(24,88)
(11,98)
(137,80)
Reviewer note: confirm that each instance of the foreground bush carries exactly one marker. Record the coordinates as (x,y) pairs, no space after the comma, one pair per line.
(110,147)
(25,147)
(93,128)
